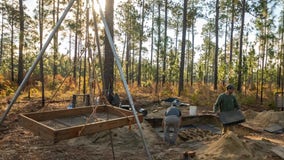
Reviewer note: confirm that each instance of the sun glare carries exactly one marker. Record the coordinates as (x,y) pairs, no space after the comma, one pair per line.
(97,3)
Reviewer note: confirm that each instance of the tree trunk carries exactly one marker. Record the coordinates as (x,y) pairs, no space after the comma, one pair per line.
(76,42)
(109,58)
(182,56)
(241,48)
(165,43)
(55,39)
(262,64)
(217,47)
(140,46)
(41,10)
(192,54)
(264,49)
(208,58)
(176,48)
(188,68)
(232,31)
(206,65)
(132,64)
(87,46)
(176,39)
(282,54)
(257,74)
(123,49)
(80,52)
(152,33)
(127,58)
(158,47)
(97,39)
(21,44)
(1,41)
(12,51)
(225,49)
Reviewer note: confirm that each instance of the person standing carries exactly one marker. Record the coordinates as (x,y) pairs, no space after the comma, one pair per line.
(172,121)
(226,102)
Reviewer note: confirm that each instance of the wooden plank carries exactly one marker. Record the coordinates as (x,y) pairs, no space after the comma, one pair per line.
(279,151)
(31,121)
(92,128)
(36,127)
(49,115)
(115,110)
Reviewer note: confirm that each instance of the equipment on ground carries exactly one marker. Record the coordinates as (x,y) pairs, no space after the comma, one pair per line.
(231,117)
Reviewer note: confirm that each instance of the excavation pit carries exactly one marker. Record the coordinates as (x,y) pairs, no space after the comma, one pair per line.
(201,128)
(193,128)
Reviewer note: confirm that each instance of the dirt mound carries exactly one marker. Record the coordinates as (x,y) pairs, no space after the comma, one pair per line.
(249,114)
(265,118)
(229,146)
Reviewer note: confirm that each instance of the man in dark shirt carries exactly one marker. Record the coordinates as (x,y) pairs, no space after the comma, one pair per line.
(226,102)
(172,120)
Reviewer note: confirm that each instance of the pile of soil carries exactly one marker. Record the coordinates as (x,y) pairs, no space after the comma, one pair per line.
(229,146)
(264,118)
(232,147)
(235,146)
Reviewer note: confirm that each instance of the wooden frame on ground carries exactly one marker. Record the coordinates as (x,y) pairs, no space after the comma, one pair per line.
(66,124)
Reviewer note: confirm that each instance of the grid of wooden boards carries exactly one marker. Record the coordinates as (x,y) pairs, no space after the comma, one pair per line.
(66,124)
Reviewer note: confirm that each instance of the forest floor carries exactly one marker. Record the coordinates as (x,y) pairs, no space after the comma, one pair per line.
(17,142)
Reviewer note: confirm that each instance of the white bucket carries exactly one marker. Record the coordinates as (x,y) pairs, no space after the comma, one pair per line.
(192,110)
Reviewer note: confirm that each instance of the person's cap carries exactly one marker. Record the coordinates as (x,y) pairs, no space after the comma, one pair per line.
(176,102)
(230,86)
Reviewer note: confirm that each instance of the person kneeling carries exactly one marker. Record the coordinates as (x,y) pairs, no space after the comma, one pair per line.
(172,121)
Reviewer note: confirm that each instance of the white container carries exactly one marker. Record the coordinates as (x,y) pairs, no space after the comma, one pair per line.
(192,110)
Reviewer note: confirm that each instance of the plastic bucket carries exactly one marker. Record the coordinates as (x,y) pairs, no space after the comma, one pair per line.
(192,110)
(127,107)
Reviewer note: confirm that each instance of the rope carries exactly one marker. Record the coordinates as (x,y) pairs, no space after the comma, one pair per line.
(88,119)
(130,120)
(70,71)
(110,133)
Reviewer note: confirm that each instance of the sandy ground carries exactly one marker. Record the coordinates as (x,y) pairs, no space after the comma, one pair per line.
(126,142)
